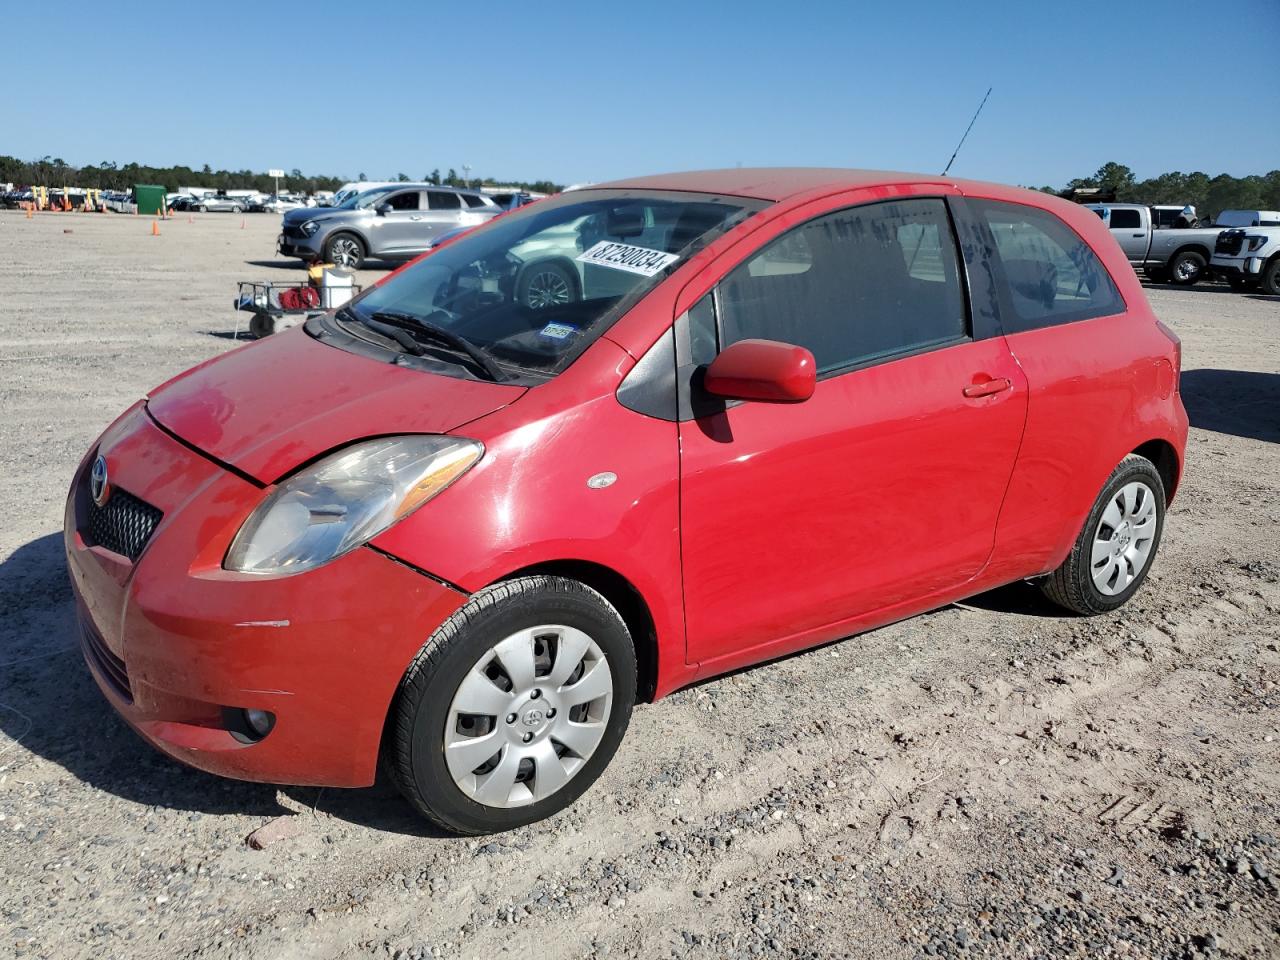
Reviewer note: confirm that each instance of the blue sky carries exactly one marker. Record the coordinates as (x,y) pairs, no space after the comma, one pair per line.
(594,91)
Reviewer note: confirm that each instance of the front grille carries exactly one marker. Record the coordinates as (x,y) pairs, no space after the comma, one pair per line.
(123,524)
(1229,243)
(110,667)
(292,231)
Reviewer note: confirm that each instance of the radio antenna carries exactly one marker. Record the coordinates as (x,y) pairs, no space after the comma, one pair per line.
(966,131)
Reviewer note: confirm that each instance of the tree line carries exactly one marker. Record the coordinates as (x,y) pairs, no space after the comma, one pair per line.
(1209,195)
(56,172)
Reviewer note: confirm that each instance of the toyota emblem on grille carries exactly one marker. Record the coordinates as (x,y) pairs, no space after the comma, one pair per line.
(99,488)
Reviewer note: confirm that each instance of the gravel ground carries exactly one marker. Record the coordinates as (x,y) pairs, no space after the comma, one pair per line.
(992,779)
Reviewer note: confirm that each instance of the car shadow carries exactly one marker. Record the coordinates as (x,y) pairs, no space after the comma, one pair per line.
(277,264)
(51,707)
(1237,402)
(1019,598)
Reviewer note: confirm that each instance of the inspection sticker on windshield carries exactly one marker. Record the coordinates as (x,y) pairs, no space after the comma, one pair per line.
(622,256)
(558,331)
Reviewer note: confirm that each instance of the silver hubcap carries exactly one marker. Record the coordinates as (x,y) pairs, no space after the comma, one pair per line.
(1186,270)
(1122,543)
(548,289)
(344,252)
(528,716)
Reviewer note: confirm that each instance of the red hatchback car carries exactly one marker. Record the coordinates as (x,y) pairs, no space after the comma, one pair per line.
(610,444)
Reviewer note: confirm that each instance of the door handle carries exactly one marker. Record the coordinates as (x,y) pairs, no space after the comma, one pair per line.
(1139,235)
(415,218)
(987,387)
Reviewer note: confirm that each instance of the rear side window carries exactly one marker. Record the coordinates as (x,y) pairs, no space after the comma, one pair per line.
(854,287)
(440,200)
(1052,276)
(1125,220)
(473,200)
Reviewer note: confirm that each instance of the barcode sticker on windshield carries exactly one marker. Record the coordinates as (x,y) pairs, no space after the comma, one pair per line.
(622,256)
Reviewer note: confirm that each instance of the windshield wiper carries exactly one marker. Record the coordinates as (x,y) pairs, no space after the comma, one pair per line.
(402,338)
(395,320)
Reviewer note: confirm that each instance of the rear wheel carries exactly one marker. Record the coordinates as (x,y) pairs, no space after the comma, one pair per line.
(344,250)
(1114,551)
(1271,277)
(1186,268)
(514,707)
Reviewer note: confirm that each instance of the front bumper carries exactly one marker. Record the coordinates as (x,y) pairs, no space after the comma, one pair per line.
(306,248)
(1236,266)
(177,644)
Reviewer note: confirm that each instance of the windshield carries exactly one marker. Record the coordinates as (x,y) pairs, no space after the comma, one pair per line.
(359,201)
(534,288)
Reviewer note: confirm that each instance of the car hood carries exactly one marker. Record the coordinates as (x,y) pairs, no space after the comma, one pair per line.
(283,401)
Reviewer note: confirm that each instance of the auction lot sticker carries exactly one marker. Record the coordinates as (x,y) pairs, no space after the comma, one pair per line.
(622,256)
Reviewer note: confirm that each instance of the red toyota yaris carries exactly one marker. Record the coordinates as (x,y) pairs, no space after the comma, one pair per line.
(612,443)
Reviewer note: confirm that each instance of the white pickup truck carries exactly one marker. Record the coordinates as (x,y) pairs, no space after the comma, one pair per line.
(1248,256)
(1167,254)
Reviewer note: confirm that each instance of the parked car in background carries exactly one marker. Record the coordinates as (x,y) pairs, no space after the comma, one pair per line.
(460,535)
(1167,255)
(387,223)
(214,204)
(1248,257)
(283,202)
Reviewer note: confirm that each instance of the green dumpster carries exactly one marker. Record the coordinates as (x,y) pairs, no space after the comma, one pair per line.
(149,198)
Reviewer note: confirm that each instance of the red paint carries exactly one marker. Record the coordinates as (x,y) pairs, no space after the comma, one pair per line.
(762,370)
(760,530)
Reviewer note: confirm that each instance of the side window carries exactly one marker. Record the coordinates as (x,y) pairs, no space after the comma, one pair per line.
(1126,220)
(473,200)
(404,201)
(855,286)
(440,200)
(1052,275)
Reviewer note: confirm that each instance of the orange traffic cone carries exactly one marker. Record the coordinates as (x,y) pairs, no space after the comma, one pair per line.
(155,228)
(241,223)
(190,219)
(28,212)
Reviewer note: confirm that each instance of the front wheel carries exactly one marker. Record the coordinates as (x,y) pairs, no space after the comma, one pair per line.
(1186,268)
(514,707)
(344,250)
(1114,551)
(547,284)
(1271,277)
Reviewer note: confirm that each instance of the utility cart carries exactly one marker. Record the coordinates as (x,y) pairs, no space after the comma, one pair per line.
(277,305)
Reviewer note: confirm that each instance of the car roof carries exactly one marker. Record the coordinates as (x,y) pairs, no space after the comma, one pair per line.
(781,183)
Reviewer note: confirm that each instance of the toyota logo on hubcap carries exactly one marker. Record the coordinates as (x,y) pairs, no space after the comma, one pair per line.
(99,488)
(532,718)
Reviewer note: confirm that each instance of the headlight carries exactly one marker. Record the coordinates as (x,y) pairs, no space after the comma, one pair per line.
(1255,242)
(310,227)
(346,500)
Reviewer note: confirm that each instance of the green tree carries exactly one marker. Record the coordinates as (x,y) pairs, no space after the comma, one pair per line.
(402,178)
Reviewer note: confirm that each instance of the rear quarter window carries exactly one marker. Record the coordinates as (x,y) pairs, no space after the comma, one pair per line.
(1051,276)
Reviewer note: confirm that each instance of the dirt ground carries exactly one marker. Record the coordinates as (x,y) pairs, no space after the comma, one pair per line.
(990,779)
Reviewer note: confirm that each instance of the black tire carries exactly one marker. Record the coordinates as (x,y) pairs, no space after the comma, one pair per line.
(261,324)
(547,283)
(1156,274)
(1187,267)
(346,241)
(1270,280)
(1071,585)
(421,710)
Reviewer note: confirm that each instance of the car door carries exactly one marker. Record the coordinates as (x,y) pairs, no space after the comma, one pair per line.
(399,230)
(885,486)
(444,212)
(1127,227)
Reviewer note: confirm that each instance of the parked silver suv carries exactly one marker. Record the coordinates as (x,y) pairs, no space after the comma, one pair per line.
(386,223)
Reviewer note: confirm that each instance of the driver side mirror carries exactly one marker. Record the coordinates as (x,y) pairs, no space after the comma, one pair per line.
(382,209)
(765,370)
